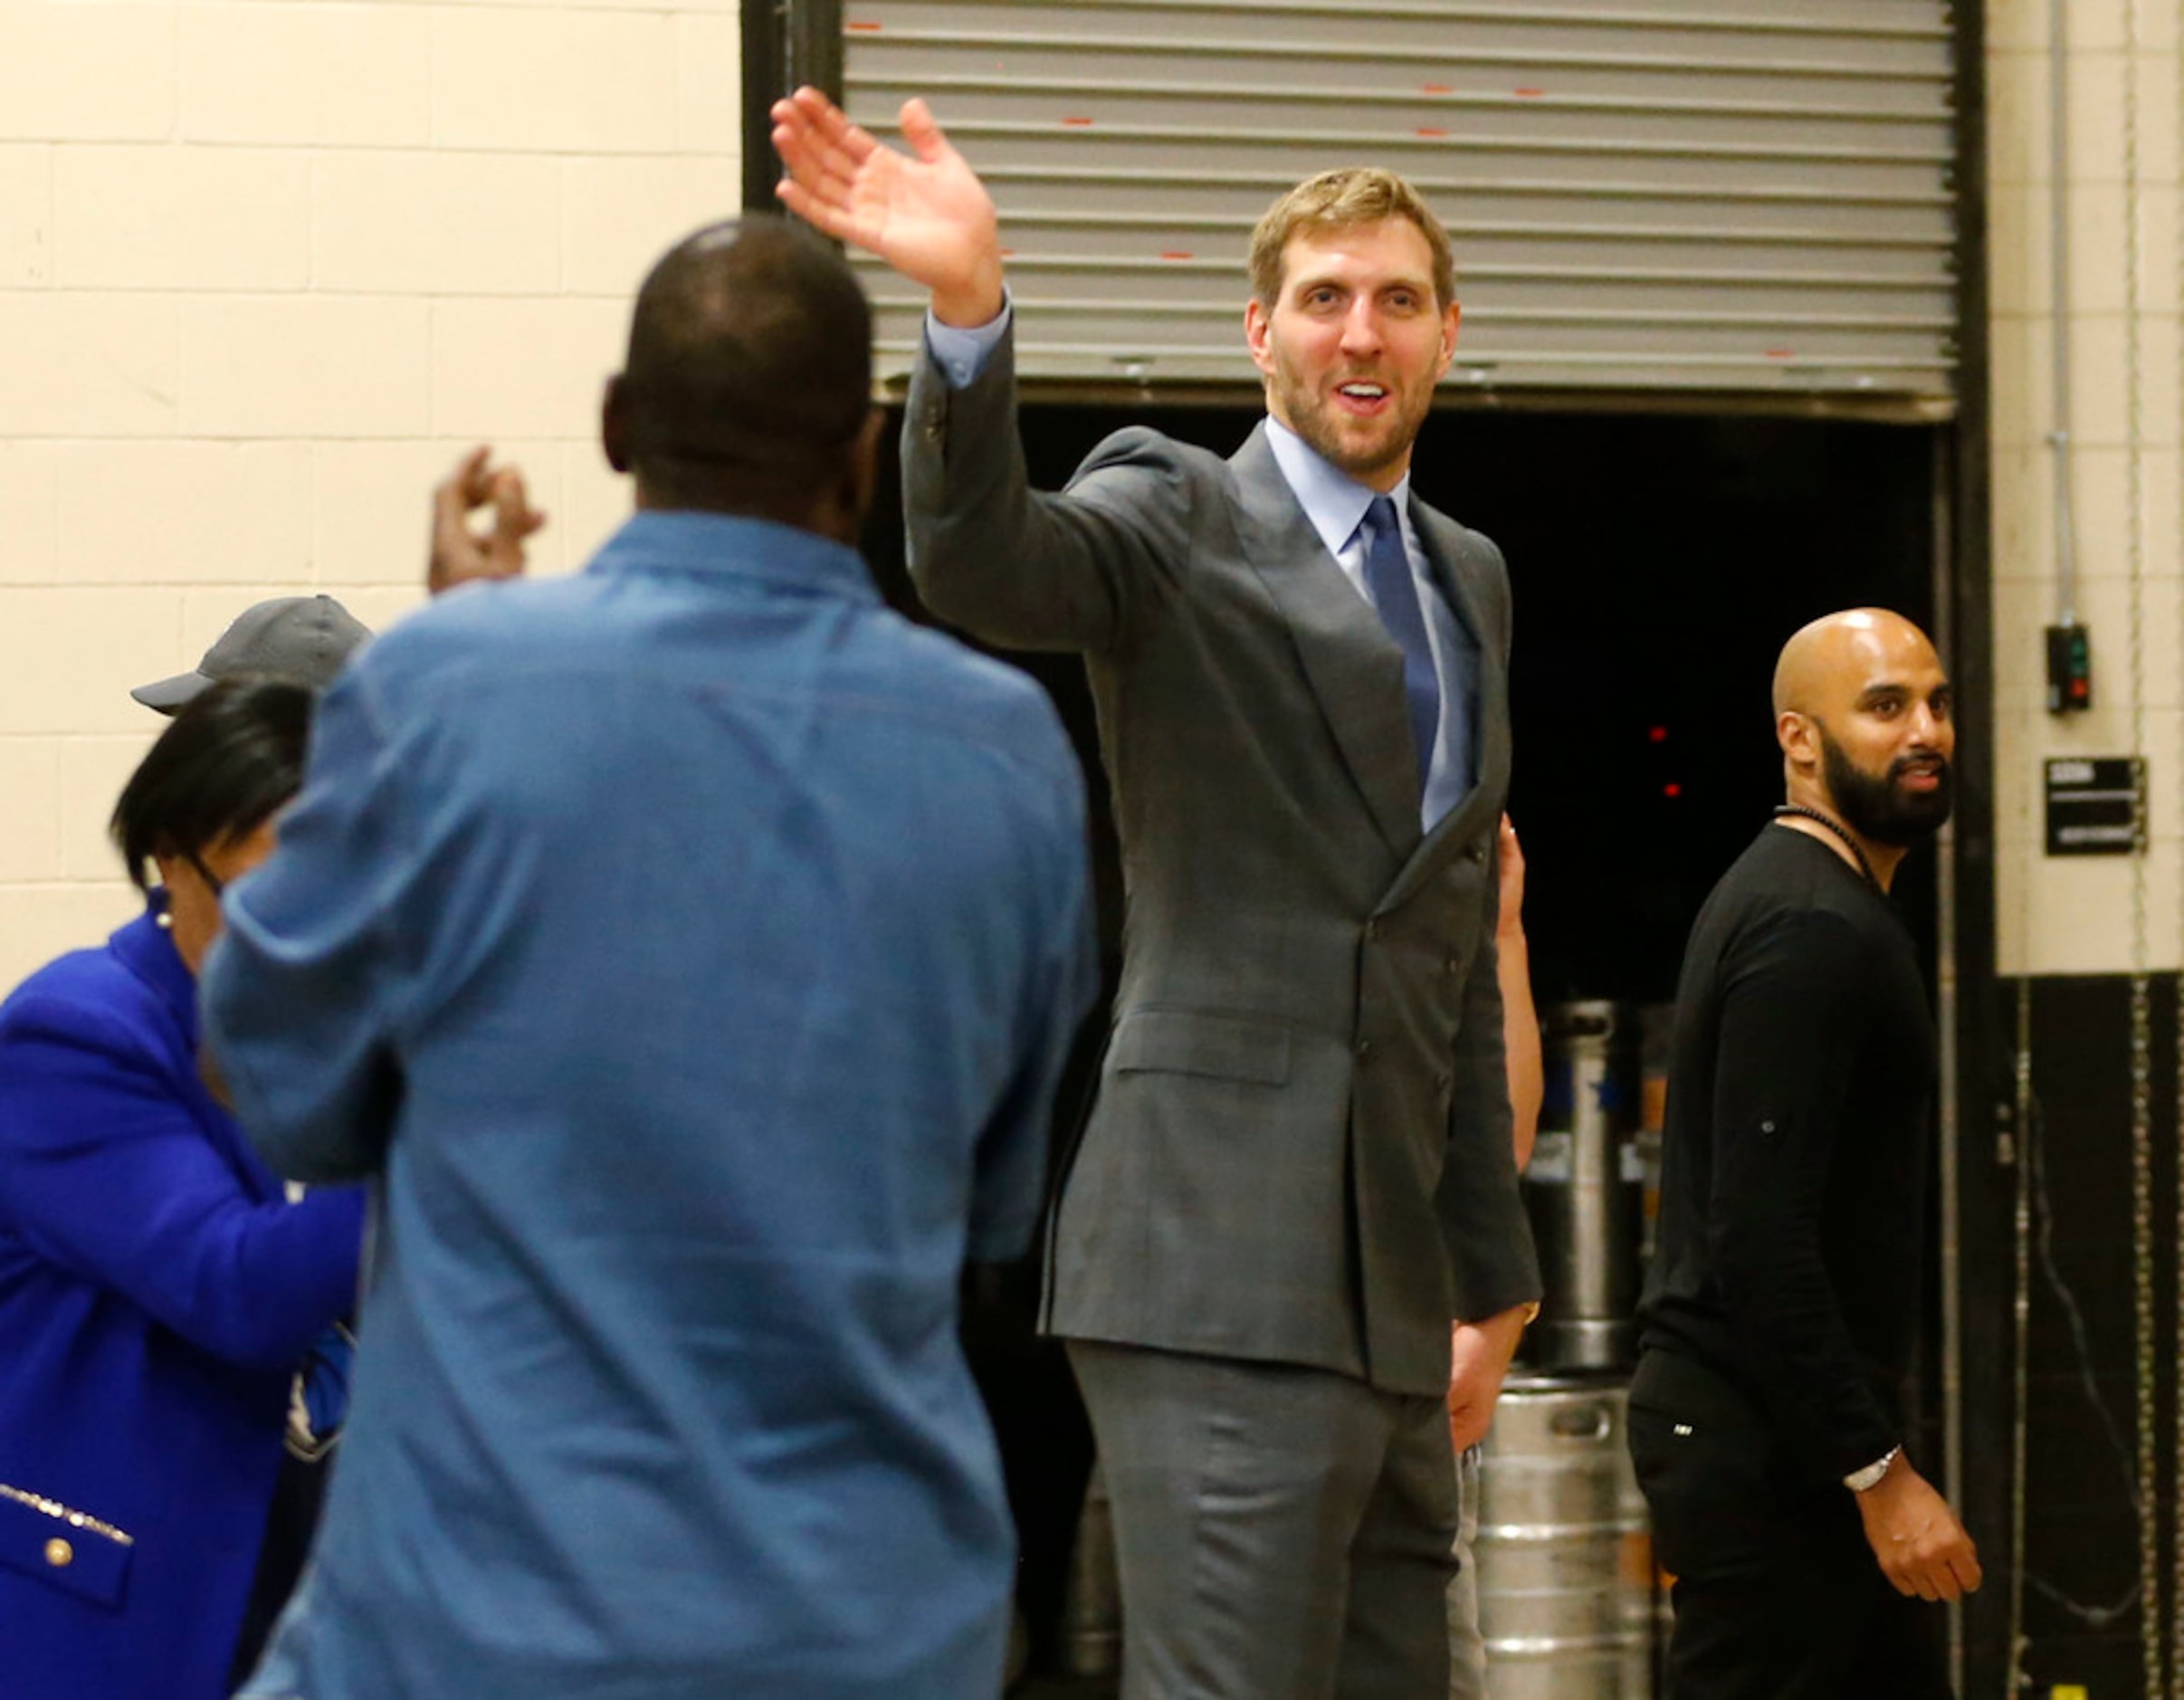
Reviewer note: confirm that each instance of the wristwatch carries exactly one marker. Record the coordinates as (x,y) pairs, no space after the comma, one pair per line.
(1858,1480)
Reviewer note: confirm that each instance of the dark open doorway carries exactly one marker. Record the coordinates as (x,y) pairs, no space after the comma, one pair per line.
(1658,561)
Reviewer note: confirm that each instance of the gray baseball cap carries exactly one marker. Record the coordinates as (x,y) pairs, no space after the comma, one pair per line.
(302,638)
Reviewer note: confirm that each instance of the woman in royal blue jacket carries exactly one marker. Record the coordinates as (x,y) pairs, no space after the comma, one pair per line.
(159,1291)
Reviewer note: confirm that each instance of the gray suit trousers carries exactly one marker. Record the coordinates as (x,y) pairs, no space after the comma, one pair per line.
(1283,1533)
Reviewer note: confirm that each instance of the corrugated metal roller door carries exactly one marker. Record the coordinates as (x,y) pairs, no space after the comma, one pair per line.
(1648,195)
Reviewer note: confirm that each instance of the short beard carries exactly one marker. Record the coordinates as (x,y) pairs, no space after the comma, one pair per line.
(1310,420)
(1874,807)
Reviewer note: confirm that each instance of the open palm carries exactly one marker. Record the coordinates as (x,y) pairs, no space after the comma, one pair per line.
(926,215)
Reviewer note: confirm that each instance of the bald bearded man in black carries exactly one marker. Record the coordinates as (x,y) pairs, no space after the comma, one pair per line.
(1778,1318)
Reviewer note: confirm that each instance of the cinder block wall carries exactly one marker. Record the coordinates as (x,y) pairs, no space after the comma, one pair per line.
(266,267)
(2079,915)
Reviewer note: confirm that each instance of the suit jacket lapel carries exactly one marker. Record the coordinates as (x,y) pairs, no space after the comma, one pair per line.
(1355,669)
(1457,572)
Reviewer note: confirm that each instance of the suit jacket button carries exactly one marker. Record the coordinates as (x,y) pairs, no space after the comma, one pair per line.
(1364,1051)
(1477,853)
(1448,966)
(59,1554)
(1372,927)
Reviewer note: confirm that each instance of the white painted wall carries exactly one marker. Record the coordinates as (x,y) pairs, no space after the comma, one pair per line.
(2079,915)
(266,268)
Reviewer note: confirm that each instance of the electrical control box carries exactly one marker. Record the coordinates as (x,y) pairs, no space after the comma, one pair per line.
(2069,668)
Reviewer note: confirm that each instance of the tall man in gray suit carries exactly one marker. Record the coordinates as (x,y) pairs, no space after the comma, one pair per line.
(1297,1174)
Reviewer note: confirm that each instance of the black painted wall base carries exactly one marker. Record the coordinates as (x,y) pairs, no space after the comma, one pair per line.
(2080,1618)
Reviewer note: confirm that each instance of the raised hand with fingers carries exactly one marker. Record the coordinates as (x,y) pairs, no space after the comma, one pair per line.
(458,553)
(928,215)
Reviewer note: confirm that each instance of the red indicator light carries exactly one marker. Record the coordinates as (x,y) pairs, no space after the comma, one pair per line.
(1178,253)
(1657,734)
(1077,123)
(1779,354)
(855,24)
(1440,88)
(1672,790)
(1433,135)
(1530,94)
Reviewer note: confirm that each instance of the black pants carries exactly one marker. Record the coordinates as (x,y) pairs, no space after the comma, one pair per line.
(291,1521)
(1777,1596)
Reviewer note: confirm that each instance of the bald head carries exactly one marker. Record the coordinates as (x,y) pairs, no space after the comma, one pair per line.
(1864,714)
(1843,651)
(749,379)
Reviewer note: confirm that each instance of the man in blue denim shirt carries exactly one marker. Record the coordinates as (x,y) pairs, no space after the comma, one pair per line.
(693,944)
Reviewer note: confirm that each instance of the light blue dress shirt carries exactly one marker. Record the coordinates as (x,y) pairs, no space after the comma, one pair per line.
(694,943)
(1335,503)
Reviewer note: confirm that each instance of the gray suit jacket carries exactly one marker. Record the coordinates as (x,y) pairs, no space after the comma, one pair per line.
(1300,1151)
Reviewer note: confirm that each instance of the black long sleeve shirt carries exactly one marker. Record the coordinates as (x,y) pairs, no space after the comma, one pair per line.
(1793,1187)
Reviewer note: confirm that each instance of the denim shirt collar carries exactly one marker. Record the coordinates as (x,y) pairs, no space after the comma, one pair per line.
(781,556)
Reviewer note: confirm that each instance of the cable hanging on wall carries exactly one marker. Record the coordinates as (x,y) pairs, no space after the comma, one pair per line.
(2015,1147)
(2152,1642)
(2160,1636)
(2176,1663)
(2014,1677)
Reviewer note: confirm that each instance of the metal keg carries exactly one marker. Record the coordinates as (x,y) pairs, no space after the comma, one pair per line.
(1583,1188)
(1564,1549)
(1658,1031)
(1092,1618)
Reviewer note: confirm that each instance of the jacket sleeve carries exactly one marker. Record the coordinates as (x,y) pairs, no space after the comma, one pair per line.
(1016,568)
(1061,980)
(301,993)
(1482,1216)
(1794,1001)
(106,1172)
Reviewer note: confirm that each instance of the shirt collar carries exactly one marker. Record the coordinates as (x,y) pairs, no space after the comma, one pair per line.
(1333,501)
(785,555)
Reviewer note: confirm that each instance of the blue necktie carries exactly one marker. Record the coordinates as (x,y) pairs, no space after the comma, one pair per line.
(1395,594)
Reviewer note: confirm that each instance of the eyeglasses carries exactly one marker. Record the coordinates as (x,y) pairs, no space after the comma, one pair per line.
(213,882)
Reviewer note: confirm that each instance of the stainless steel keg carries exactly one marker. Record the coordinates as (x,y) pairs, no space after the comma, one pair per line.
(1092,1621)
(1584,1189)
(1564,1549)
(1656,1030)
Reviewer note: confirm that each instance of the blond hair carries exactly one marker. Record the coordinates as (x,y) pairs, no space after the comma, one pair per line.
(1342,200)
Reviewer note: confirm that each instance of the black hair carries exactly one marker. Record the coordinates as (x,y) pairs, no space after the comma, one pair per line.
(749,355)
(233,755)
